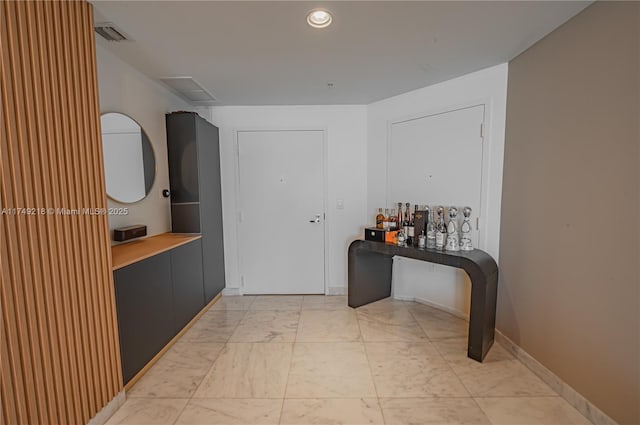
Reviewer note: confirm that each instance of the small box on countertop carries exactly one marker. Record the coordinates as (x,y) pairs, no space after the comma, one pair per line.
(125,233)
(380,235)
(374,234)
(391,236)
(419,224)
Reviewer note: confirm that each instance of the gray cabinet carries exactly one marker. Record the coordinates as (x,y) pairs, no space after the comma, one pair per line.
(187,283)
(196,199)
(155,298)
(144,301)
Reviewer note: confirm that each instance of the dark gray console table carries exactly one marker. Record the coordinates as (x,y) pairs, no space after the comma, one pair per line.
(370,267)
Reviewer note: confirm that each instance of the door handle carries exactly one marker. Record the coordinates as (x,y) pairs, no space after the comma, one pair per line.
(315,220)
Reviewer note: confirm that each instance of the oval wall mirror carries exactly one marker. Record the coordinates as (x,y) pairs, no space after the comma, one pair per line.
(129,162)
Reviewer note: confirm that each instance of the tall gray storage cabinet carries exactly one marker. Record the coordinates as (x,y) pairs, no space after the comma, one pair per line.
(196,201)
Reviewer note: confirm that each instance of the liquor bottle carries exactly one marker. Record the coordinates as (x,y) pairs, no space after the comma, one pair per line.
(412,229)
(431,231)
(385,221)
(441,231)
(405,225)
(422,240)
(399,218)
(453,241)
(465,231)
(379,219)
(421,220)
(393,223)
(400,238)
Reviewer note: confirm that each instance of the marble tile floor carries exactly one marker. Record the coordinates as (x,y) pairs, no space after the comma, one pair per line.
(300,360)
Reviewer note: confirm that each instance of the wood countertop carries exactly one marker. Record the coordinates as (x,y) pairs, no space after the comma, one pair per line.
(131,252)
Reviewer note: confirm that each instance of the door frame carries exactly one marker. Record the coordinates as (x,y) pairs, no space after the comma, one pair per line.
(325,195)
(483,214)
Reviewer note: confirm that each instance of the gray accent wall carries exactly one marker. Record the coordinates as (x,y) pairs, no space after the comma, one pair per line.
(569,292)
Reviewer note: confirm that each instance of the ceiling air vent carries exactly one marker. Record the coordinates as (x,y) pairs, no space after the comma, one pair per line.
(109,32)
(190,89)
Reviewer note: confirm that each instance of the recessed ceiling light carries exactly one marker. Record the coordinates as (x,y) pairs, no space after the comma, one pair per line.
(319,18)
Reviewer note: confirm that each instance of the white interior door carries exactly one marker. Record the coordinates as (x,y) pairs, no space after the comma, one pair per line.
(281,219)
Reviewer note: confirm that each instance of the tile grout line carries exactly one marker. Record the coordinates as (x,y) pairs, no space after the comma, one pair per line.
(293,348)
(226,343)
(420,326)
(181,411)
(373,380)
(480,407)
(286,385)
(295,338)
(456,375)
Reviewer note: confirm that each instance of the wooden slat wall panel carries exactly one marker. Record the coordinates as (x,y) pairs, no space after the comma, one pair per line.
(59,349)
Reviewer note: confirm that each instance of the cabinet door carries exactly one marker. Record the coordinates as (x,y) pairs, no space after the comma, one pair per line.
(210,207)
(186,277)
(145,311)
(182,149)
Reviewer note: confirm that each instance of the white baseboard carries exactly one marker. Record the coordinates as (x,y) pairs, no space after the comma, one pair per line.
(226,292)
(336,290)
(574,398)
(331,290)
(107,411)
(452,311)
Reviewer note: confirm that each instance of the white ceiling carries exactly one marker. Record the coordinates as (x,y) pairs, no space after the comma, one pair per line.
(263,52)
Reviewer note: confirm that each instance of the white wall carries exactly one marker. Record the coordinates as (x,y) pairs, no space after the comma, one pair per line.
(488,87)
(357,147)
(124,89)
(346,128)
